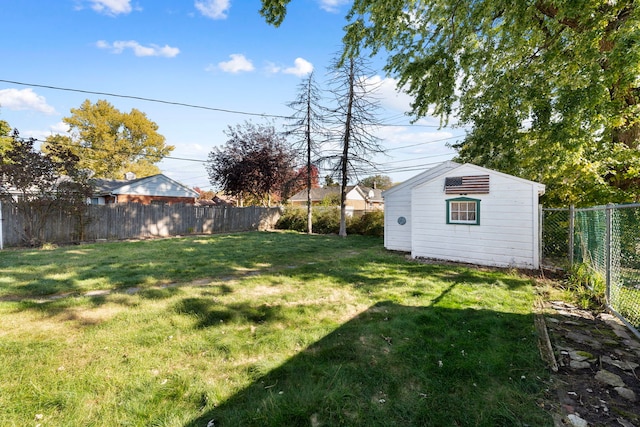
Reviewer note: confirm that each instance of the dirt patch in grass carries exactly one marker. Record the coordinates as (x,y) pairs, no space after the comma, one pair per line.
(93,316)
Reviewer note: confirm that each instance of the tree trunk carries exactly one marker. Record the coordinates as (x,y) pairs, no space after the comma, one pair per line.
(345,151)
(308,135)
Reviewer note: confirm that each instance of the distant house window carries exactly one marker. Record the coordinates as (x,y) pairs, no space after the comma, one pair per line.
(463,210)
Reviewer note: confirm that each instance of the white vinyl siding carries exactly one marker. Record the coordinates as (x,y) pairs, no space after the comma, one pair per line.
(397,237)
(397,204)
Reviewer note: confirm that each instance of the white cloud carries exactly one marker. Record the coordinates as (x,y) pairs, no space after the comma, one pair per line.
(214,9)
(59,128)
(236,64)
(390,95)
(138,49)
(301,67)
(272,68)
(431,141)
(332,5)
(111,7)
(25,99)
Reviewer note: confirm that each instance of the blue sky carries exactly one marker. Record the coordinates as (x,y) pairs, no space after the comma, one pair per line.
(218,54)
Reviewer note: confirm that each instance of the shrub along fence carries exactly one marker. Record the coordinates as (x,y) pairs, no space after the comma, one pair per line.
(133,220)
(326,220)
(606,239)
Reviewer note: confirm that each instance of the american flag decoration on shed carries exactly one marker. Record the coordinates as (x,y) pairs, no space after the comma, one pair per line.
(473,184)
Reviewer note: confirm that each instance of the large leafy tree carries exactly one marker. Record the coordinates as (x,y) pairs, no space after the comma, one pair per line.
(111,143)
(39,185)
(254,165)
(382,182)
(5,136)
(550,90)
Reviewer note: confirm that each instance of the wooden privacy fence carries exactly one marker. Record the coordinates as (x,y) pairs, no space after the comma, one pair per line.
(132,220)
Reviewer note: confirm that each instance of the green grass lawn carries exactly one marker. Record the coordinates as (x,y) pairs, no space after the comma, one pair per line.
(263,329)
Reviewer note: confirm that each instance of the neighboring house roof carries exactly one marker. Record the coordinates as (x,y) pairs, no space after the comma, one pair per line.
(218,200)
(155,185)
(317,194)
(374,195)
(13,191)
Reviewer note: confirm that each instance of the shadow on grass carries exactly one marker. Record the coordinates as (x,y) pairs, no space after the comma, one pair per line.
(159,293)
(384,271)
(211,313)
(399,365)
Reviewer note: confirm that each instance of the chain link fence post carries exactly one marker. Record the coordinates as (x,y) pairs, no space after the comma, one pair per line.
(572,226)
(609,253)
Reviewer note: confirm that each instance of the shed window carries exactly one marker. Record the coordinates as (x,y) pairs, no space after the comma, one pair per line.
(463,210)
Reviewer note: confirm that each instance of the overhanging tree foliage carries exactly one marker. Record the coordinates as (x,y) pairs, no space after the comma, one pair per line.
(40,185)
(550,89)
(111,143)
(256,162)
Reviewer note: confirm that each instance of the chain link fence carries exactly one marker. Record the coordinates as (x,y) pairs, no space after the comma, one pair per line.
(607,240)
(555,237)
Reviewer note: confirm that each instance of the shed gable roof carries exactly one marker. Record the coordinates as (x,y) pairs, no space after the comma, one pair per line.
(422,177)
(460,169)
(450,168)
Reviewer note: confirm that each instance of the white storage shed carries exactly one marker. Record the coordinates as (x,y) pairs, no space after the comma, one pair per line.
(465,213)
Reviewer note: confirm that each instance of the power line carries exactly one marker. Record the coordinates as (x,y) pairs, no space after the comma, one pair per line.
(386,169)
(423,143)
(187,105)
(183,159)
(417,158)
(140,98)
(204,161)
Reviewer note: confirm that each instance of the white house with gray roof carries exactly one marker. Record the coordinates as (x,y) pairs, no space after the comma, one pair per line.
(147,190)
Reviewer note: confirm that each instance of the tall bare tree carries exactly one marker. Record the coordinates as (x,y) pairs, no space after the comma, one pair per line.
(308,126)
(355,121)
